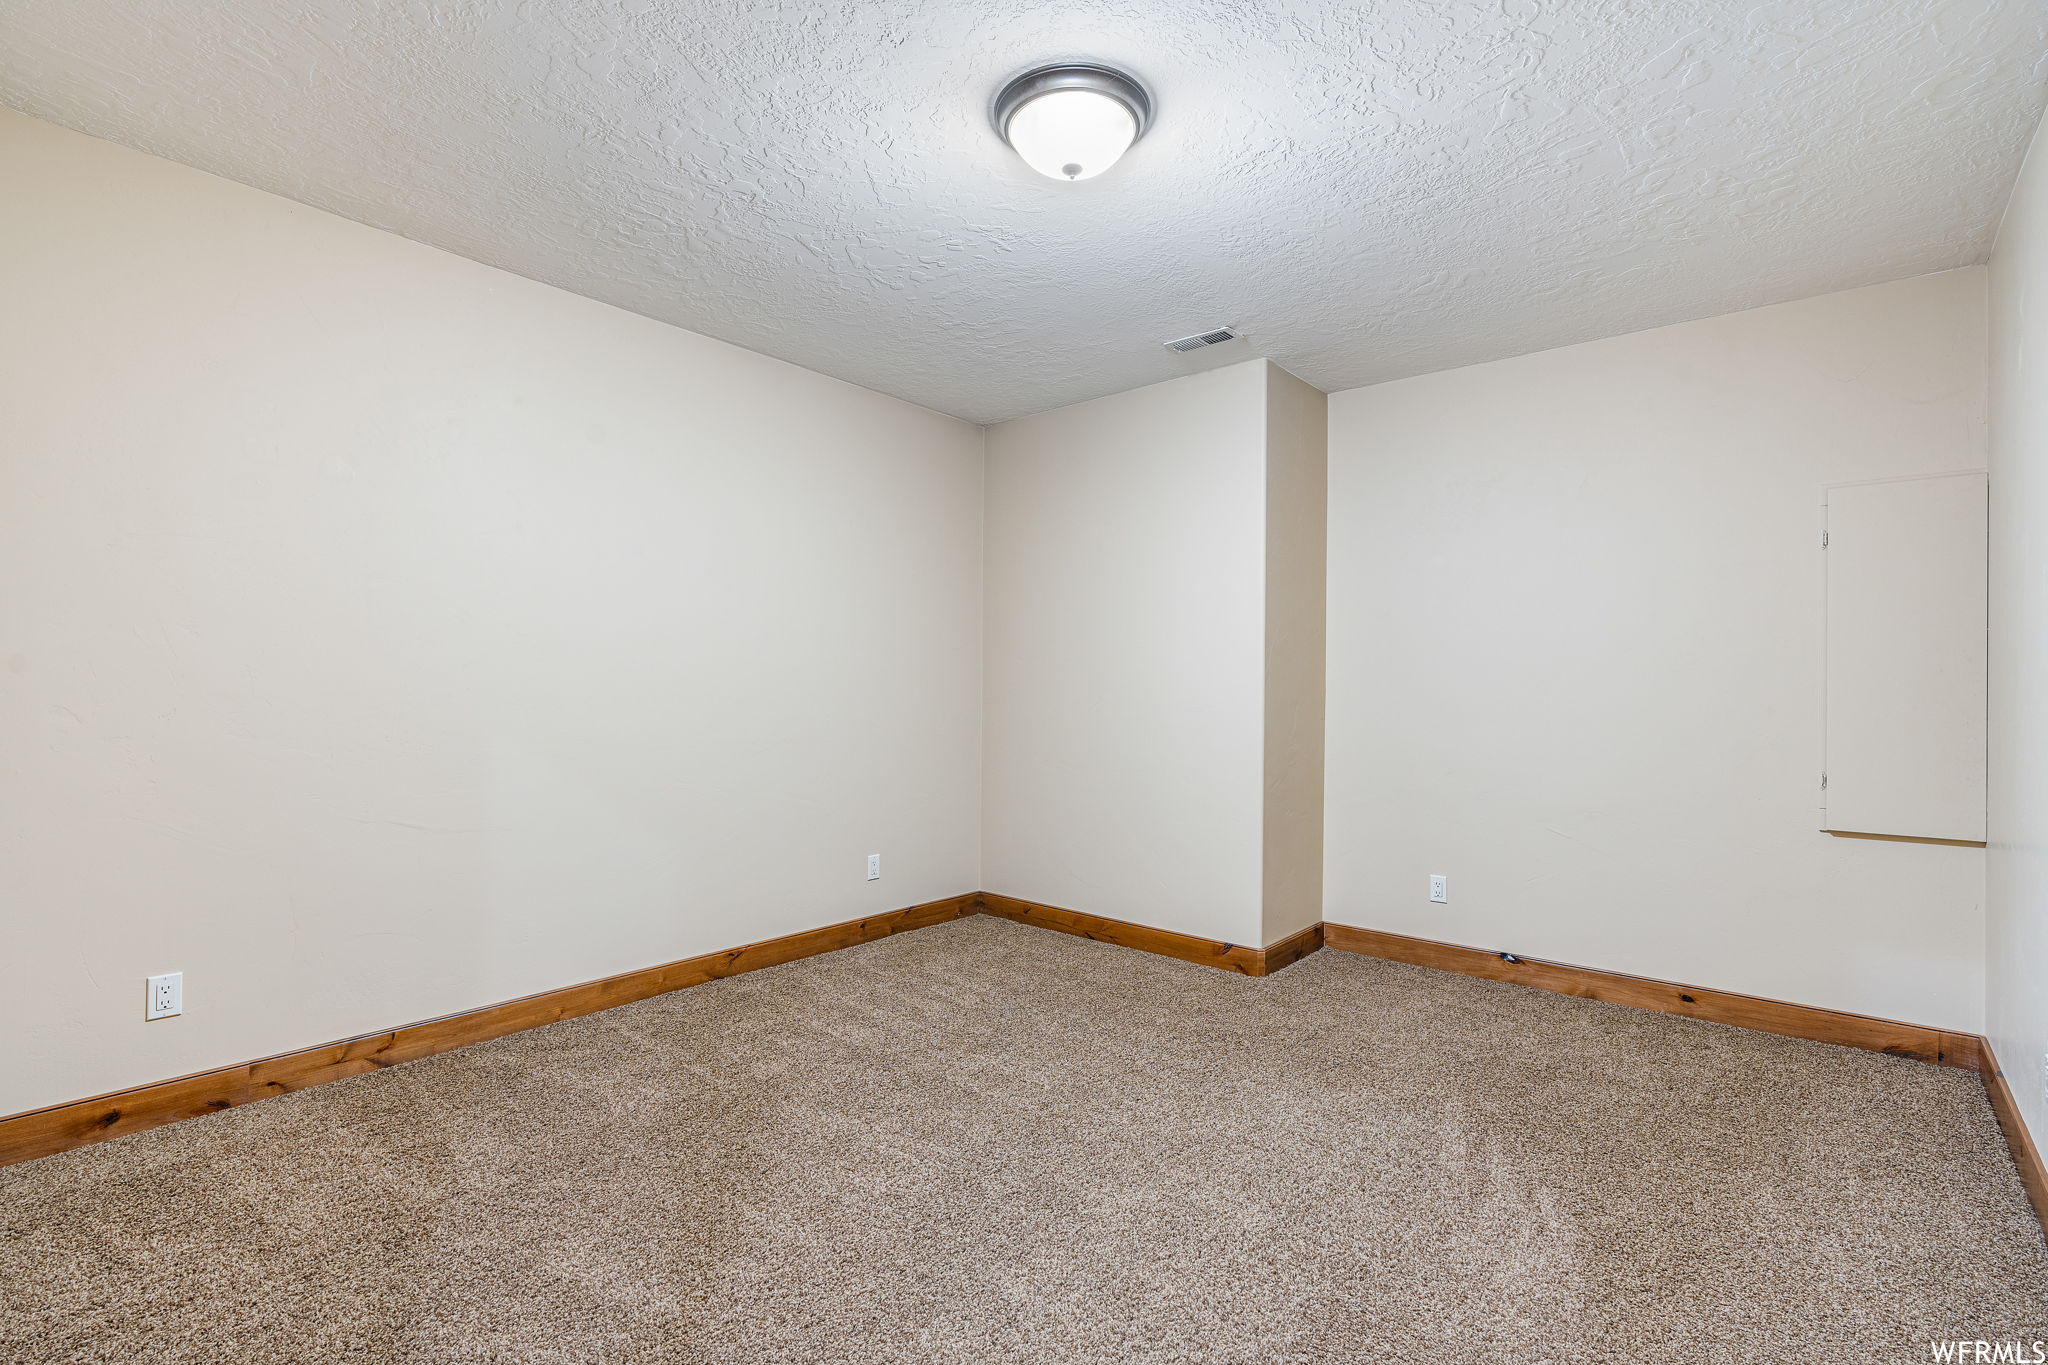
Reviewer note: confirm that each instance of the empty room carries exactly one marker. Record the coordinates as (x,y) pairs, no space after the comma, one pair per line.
(791,682)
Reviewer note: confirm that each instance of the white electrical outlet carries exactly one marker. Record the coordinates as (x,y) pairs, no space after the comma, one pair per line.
(1440,889)
(166,996)
(874,867)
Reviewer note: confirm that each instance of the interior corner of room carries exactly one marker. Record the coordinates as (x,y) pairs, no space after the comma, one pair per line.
(403,652)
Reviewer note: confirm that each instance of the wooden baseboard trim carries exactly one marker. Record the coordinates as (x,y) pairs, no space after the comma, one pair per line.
(1667,997)
(42,1132)
(1293,948)
(1210,952)
(1945,1047)
(1905,838)
(2025,1155)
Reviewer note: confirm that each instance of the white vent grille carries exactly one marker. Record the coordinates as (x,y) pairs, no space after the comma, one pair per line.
(1201,339)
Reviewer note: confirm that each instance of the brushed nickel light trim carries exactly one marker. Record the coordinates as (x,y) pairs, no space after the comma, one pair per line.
(1062,77)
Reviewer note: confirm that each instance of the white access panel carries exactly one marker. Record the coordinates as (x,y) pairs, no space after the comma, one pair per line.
(1906,618)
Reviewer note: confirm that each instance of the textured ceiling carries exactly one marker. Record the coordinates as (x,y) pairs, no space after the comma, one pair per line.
(1370,191)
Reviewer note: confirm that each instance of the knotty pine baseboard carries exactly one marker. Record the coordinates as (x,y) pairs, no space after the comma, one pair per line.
(2025,1155)
(57,1128)
(42,1132)
(1210,952)
(1669,997)
(1293,948)
(1967,1050)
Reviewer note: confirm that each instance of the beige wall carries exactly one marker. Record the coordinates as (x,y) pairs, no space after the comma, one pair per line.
(2017,941)
(1125,600)
(1575,651)
(387,635)
(1297,516)
(1153,711)
(384,635)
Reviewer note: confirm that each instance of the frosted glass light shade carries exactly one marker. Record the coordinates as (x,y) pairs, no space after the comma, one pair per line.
(1072,120)
(1072,134)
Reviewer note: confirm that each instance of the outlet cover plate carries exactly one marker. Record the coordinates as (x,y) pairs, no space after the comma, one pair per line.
(166,996)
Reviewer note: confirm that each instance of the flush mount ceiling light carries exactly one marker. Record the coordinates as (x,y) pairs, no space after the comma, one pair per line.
(1073,120)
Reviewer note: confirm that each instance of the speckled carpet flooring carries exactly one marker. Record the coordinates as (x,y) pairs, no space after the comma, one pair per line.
(984,1142)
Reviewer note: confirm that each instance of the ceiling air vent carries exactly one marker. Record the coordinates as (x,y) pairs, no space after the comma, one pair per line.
(1201,339)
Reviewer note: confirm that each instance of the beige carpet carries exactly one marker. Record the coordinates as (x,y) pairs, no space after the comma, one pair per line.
(984,1142)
